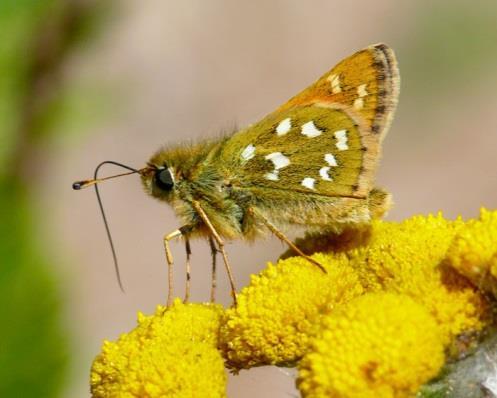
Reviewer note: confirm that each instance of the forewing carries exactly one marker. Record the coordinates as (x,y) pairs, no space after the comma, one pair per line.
(325,140)
(367,83)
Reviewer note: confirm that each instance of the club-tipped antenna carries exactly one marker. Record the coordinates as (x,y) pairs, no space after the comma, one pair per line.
(86,183)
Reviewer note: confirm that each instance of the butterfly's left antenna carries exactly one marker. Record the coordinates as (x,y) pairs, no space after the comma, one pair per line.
(86,183)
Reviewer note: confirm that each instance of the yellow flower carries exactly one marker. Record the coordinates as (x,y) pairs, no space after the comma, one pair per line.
(474,251)
(395,296)
(381,345)
(408,257)
(171,353)
(281,308)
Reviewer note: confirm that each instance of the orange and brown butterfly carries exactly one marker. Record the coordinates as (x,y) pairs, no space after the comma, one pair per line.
(311,163)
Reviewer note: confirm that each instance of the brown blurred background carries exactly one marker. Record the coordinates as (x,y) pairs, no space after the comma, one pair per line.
(159,72)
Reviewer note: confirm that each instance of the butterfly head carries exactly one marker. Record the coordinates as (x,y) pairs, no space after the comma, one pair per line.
(159,181)
(171,171)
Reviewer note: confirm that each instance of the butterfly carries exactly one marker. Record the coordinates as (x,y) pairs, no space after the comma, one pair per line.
(311,163)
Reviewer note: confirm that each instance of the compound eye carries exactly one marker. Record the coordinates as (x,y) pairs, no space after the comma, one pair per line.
(164,179)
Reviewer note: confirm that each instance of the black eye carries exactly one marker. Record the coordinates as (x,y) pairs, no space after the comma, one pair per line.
(164,180)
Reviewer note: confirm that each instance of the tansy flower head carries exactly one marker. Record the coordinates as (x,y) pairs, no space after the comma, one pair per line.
(170,353)
(375,325)
(473,251)
(379,345)
(282,307)
(408,257)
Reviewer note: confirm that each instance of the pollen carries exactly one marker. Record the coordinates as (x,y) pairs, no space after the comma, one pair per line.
(284,127)
(281,308)
(310,130)
(284,307)
(473,252)
(341,136)
(382,353)
(248,153)
(308,182)
(144,362)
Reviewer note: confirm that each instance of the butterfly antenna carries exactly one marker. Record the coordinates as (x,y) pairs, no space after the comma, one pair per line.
(86,183)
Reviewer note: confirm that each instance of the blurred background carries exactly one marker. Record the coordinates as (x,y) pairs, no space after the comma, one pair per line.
(83,81)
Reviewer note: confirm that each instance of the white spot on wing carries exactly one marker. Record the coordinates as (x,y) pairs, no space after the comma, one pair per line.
(272,176)
(361,90)
(284,127)
(341,136)
(358,103)
(279,160)
(323,172)
(310,130)
(330,159)
(335,83)
(248,153)
(308,182)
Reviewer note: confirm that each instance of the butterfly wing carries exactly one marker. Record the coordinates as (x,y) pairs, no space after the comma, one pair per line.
(367,82)
(325,140)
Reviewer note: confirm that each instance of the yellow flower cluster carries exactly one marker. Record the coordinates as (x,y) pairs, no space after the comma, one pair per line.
(169,354)
(394,298)
(408,258)
(473,251)
(280,309)
(283,307)
(378,345)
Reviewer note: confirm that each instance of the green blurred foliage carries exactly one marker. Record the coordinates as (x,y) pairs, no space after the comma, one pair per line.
(17,20)
(36,39)
(76,108)
(451,50)
(33,348)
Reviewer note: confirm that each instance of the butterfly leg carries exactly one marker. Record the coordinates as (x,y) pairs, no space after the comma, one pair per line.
(169,258)
(220,243)
(170,262)
(284,238)
(214,265)
(188,269)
